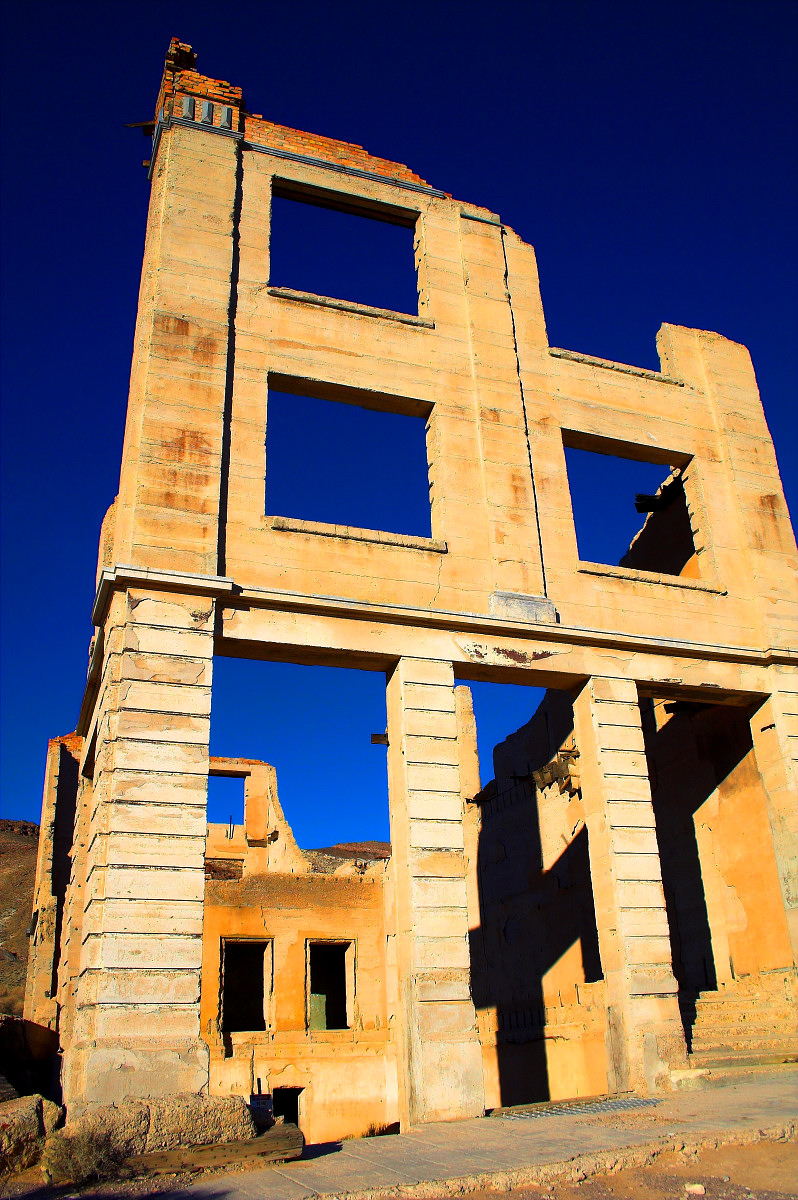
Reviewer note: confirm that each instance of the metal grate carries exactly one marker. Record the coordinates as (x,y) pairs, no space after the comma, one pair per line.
(575,1110)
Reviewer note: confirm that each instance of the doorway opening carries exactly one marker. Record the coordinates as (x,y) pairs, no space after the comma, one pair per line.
(535,964)
(285,1103)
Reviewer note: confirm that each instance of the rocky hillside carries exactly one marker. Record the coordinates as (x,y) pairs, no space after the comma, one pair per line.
(19,841)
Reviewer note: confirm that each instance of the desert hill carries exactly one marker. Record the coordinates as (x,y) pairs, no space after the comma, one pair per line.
(19,842)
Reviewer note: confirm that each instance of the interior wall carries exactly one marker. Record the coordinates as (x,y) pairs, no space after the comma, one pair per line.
(725,908)
(536,971)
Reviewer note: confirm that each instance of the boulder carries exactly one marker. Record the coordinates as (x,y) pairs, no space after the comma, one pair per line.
(90,1145)
(24,1124)
(121,1127)
(188,1120)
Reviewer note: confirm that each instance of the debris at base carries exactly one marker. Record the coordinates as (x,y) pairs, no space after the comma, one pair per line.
(278,1144)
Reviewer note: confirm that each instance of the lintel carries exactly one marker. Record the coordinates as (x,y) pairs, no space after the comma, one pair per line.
(323,389)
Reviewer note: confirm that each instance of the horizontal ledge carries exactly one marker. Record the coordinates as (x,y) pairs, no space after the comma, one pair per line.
(341,169)
(124,576)
(468,622)
(608,365)
(656,577)
(350,306)
(493,220)
(352,533)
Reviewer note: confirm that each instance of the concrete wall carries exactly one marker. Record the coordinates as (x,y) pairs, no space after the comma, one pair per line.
(192,565)
(260,886)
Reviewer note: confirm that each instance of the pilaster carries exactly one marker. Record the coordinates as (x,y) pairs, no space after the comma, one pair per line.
(136,1031)
(438,1030)
(644,1030)
(774,732)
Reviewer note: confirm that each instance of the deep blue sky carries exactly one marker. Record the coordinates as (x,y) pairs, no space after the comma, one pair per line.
(647,150)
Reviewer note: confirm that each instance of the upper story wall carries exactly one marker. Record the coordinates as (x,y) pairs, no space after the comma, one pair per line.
(500,403)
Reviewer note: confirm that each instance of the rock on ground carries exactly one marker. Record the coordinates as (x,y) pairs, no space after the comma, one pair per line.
(24,1125)
(120,1131)
(187,1120)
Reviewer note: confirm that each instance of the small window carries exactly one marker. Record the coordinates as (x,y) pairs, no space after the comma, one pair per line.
(327,968)
(363,256)
(630,511)
(225,800)
(246,984)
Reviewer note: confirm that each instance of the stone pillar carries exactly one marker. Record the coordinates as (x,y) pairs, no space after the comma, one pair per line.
(441,1068)
(136,1028)
(644,1031)
(774,732)
(52,875)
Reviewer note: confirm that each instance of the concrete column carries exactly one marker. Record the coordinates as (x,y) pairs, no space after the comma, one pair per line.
(136,1030)
(441,1069)
(52,876)
(644,1031)
(774,731)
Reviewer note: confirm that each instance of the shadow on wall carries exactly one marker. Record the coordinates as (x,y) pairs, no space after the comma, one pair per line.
(722,893)
(535,951)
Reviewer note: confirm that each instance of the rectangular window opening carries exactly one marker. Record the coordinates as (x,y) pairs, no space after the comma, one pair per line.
(328,1001)
(225,800)
(314,725)
(246,981)
(332,245)
(339,462)
(630,510)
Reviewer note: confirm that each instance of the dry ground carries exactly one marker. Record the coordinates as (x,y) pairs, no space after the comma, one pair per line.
(762,1171)
(766,1170)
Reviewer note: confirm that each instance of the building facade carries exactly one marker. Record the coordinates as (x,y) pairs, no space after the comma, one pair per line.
(629,876)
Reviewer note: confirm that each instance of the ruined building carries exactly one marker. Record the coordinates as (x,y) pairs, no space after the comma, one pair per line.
(618,908)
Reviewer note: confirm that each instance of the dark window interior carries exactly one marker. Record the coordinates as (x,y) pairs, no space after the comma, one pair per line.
(344,255)
(328,986)
(285,1103)
(243,987)
(344,465)
(630,513)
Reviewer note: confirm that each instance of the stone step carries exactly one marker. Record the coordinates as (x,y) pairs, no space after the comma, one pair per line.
(783,1028)
(754,1045)
(783,1018)
(741,1006)
(742,1032)
(729,1057)
(737,1004)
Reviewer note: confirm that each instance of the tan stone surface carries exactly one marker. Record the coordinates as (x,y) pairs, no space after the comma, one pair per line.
(126,963)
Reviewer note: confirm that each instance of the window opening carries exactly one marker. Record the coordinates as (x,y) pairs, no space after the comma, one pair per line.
(327,998)
(343,464)
(225,800)
(285,1103)
(630,512)
(365,257)
(244,979)
(313,724)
